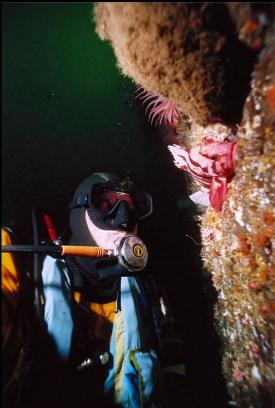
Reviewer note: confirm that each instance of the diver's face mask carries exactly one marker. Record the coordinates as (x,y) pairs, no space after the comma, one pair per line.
(118,206)
(115,205)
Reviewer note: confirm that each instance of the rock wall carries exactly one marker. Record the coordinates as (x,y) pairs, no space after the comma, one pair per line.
(239,250)
(187,52)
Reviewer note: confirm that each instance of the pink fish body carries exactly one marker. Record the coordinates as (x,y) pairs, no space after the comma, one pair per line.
(212,165)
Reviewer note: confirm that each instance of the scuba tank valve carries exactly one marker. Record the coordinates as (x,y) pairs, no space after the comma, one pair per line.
(132,253)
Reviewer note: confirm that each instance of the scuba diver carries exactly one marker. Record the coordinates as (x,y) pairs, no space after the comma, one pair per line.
(106,332)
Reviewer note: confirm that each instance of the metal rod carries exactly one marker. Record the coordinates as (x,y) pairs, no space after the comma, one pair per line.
(39,249)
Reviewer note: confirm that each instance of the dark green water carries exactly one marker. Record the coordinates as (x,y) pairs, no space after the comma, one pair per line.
(67,112)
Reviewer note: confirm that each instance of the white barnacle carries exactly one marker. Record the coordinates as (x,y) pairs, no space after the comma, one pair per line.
(239,216)
(256,374)
(257,121)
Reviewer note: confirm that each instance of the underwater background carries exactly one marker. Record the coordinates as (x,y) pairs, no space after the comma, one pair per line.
(67,112)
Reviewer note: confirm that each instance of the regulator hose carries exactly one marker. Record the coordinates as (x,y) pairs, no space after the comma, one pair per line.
(37,278)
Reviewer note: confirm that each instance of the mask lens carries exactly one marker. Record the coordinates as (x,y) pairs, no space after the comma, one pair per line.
(109,202)
(106,199)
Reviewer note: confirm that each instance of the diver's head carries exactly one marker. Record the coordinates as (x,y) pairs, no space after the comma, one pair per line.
(106,207)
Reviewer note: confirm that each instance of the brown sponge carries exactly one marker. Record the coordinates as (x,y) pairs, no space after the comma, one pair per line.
(187,52)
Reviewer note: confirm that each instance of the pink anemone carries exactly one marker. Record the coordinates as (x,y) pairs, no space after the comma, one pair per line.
(162,110)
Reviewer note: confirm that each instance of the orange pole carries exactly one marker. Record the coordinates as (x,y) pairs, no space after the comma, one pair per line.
(95,252)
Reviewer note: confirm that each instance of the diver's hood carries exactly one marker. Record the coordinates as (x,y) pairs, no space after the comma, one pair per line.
(100,277)
(81,203)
